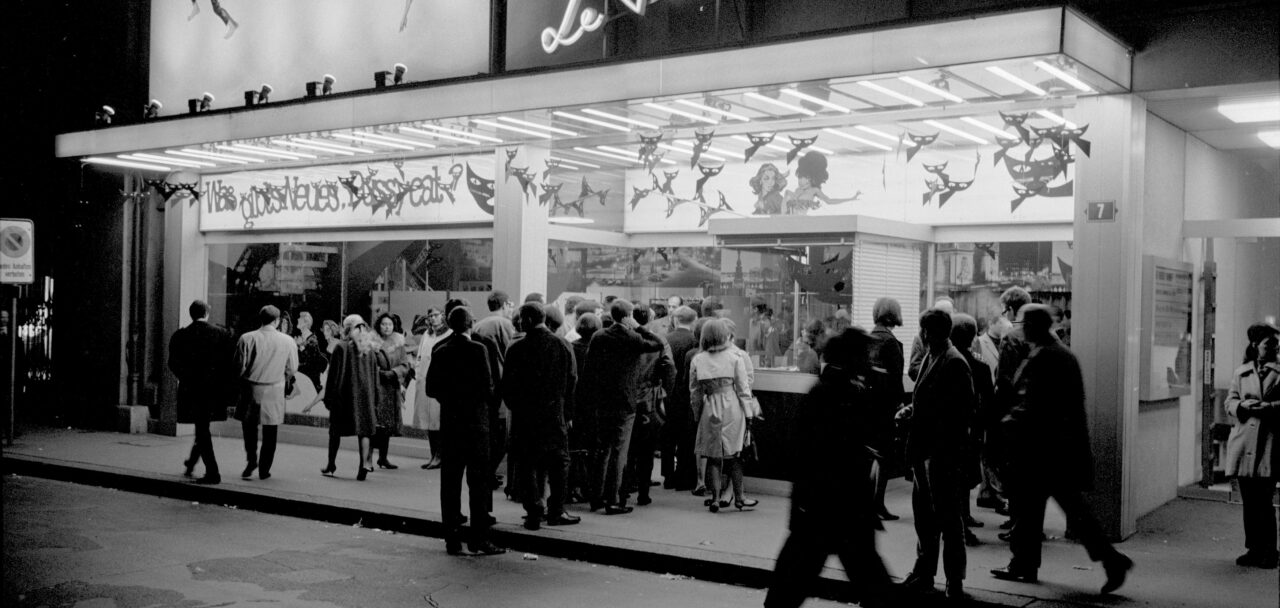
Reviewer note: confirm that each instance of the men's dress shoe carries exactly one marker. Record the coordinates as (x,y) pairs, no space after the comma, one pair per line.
(1117,569)
(617,510)
(1254,559)
(596,505)
(917,583)
(485,547)
(209,480)
(484,520)
(263,475)
(1014,573)
(970,522)
(533,522)
(248,471)
(189,468)
(955,591)
(971,539)
(644,501)
(453,548)
(563,519)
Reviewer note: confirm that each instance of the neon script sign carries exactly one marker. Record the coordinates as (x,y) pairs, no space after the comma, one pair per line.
(589,20)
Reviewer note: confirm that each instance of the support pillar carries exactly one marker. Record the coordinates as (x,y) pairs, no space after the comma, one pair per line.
(1107,298)
(519,225)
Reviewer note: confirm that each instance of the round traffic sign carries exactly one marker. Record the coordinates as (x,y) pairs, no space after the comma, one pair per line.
(15,241)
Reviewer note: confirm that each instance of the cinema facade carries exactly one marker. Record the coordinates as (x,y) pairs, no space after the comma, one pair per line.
(596,149)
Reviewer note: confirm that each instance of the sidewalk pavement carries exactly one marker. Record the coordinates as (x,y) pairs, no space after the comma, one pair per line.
(1184,551)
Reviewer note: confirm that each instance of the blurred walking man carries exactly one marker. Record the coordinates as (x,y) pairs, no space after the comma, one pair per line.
(265,360)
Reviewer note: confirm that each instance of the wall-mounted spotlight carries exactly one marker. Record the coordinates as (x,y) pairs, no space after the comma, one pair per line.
(152,109)
(380,78)
(250,98)
(206,101)
(264,94)
(400,69)
(327,84)
(104,115)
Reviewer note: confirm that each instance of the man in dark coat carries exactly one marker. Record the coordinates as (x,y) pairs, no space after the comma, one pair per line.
(679,465)
(830,512)
(654,380)
(459,378)
(963,331)
(1013,351)
(611,375)
(538,381)
(200,356)
(1050,454)
(936,437)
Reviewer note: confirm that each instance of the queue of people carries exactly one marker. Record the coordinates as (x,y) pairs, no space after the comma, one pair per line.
(997,405)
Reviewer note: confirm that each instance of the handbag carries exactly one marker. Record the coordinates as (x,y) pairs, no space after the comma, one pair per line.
(750,453)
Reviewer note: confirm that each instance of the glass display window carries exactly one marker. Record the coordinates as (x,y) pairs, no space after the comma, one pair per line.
(974,275)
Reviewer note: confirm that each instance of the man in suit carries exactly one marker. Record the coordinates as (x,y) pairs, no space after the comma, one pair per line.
(266,359)
(936,437)
(200,356)
(537,385)
(1014,349)
(679,466)
(1050,454)
(654,380)
(918,347)
(459,378)
(496,332)
(611,373)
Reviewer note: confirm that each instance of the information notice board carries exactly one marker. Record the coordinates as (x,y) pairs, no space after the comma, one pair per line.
(1167,291)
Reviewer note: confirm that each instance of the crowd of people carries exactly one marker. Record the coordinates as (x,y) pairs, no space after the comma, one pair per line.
(593,391)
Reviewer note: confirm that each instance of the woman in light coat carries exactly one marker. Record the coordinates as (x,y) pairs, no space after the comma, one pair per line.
(720,391)
(1252,455)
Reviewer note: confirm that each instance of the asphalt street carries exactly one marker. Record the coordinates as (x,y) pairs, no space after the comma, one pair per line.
(67,545)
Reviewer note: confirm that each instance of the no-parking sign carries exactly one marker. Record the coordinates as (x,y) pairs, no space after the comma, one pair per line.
(17,251)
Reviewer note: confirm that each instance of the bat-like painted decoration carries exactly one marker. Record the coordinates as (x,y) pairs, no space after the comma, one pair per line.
(939,169)
(1016,120)
(349,183)
(651,161)
(952,188)
(758,140)
(706,211)
(798,144)
(550,193)
(526,179)
(1024,193)
(667,178)
(828,280)
(508,170)
(648,153)
(167,190)
(481,190)
(638,194)
(552,164)
(1062,136)
(934,186)
(674,201)
(1036,171)
(1006,144)
(708,172)
(702,143)
(918,142)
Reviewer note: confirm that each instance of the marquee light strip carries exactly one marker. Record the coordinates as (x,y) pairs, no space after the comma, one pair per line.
(818,100)
(148,158)
(1063,76)
(630,121)
(362,140)
(218,156)
(718,111)
(479,136)
(954,131)
(115,162)
(998,71)
(260,152)
(413,131)
(924,86)
(689,115)
(534,125)
(891,93)
(592,121)
(234,161)
(780,104)
(860,140)
(309,146)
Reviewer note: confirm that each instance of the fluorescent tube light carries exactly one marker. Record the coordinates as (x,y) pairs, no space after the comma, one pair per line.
(877,133)
(575,162)
(570,220)
(608,155)
(988,128)
(924,86)
(148,158)
(498,125)
(860,140)
(375,137)
(115,162)
(249,149)
(998,71)
(413,131)
(1266,110)
(689,115)
(362,140)
(323,144)
(1055,118)
(1271,138)
(615,150)
(954,131)
(891,93)
(780,104)
(534,125)
(301,144)
(630,121)
(822,150)
(592,121)
(466,134)
(1063,76)
(707,108)
(811,99)
(203,157)
(219,156)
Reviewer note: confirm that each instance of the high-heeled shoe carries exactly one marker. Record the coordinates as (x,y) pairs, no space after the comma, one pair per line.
(363,473)
(329,470)
(386,464)
(745,503)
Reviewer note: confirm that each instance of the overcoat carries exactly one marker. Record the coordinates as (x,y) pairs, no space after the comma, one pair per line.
(351,389)
(831,463)
(393,373)
(1251,449)
(538,382)
(943,394)
(611,371)
(459,377)
(200,355)
(1046,429)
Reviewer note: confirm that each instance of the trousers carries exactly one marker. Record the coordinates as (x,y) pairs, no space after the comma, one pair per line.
(249,426)
(203,449)
(614,434)
(1027,503)
(469,459)
(935,502)
(536,468)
